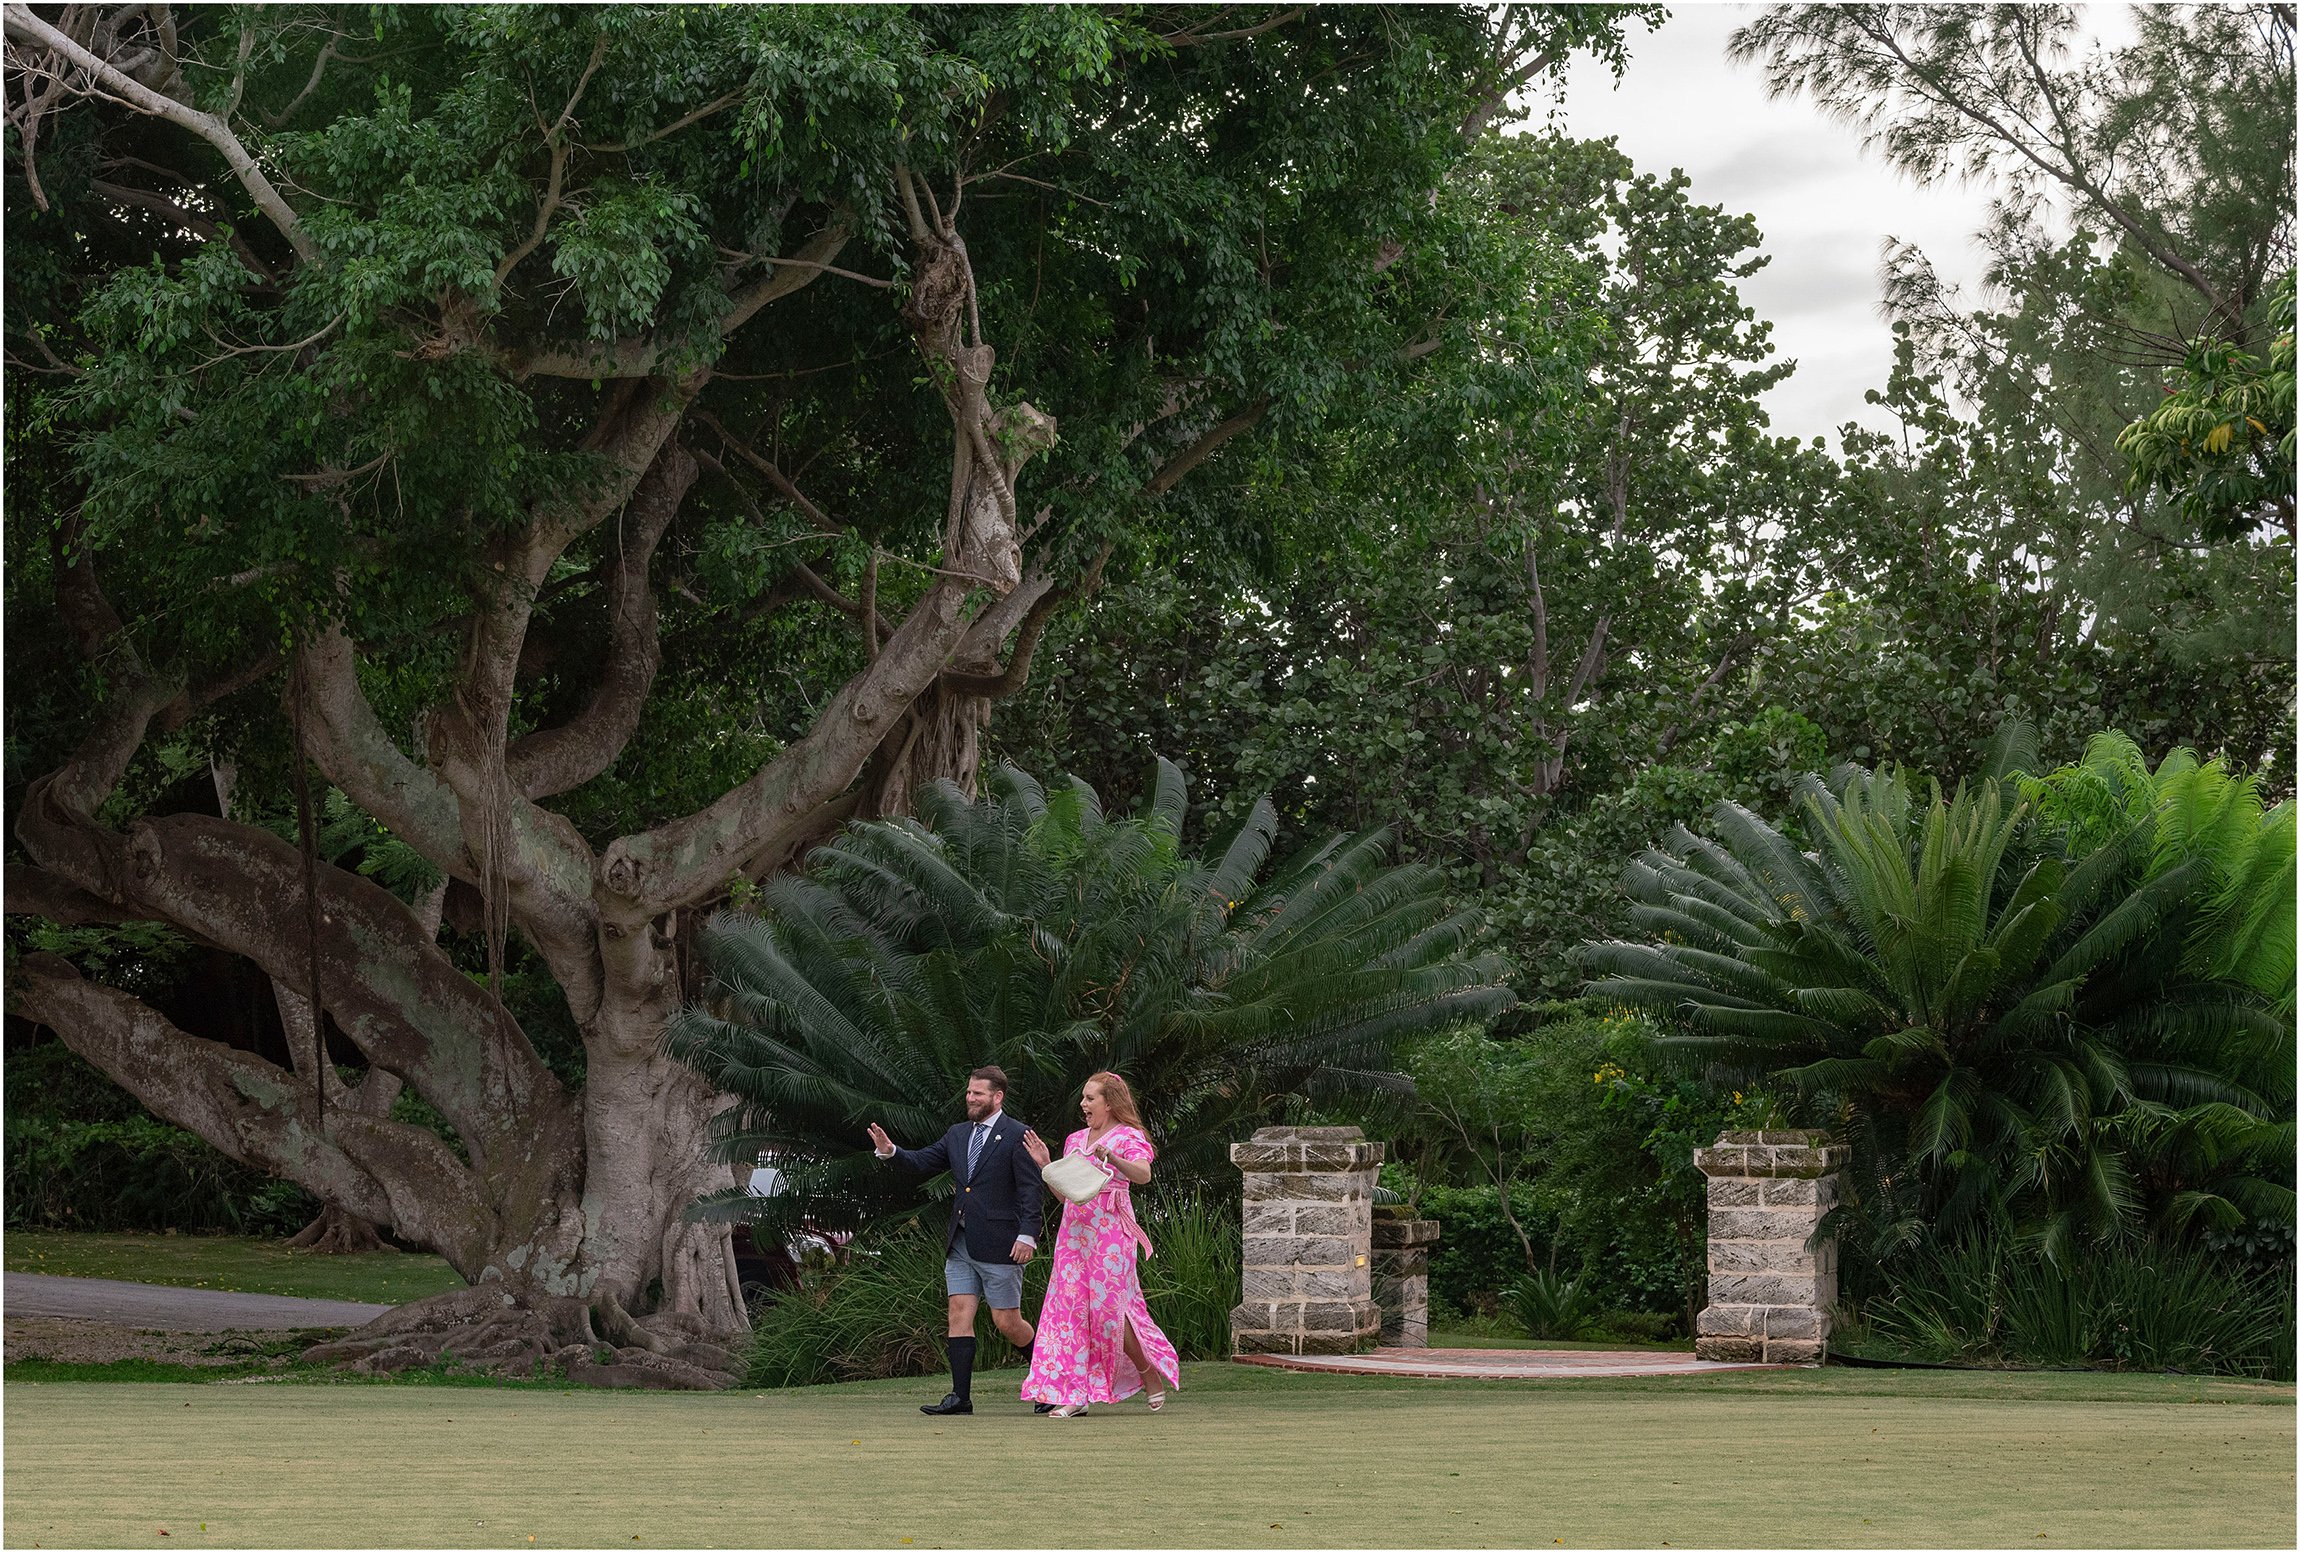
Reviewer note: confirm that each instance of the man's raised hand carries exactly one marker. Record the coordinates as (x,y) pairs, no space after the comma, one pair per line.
(880,1143)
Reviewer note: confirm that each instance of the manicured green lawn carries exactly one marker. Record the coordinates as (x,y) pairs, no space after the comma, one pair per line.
(230,1262)
(1242,1457)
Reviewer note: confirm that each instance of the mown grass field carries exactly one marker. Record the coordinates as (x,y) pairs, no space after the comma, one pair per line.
(1243,1457)
(234,1262)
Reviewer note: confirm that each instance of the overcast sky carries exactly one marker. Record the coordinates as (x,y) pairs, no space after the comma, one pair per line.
(1825,205)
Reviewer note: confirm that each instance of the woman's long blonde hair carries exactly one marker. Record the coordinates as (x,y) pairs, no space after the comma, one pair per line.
(1120,1099)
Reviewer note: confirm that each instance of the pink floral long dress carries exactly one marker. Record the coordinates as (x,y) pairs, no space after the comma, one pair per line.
(1095,1291)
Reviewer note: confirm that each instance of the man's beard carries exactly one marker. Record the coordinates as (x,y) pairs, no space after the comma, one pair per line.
(980,1110)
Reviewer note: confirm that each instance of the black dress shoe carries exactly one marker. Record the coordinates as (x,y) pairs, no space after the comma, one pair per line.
(953,1403)
(1042,1407)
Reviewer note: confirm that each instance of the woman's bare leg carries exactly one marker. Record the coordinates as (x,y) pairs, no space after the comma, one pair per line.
(1152,1381)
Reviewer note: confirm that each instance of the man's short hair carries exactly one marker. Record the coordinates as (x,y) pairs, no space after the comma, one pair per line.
(994,1077)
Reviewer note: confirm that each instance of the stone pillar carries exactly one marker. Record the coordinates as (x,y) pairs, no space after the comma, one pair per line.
(1770,1287)
(1308,1221)
(1402,1279)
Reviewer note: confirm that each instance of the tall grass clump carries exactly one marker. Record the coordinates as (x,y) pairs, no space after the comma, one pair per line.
(2127,1307)
(1194,1280)
(876,1316)
(880,1314)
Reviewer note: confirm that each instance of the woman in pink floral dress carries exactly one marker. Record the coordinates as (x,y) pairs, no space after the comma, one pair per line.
(1096,1341)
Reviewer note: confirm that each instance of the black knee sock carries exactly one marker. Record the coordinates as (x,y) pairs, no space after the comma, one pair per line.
(1024,1351)
(962,1368)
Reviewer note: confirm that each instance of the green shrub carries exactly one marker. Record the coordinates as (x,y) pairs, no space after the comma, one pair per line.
(139,1175)
(876,1315)
(53,1082)
(2139,1307)
(1476,1256)
(1547,1304)
(1594,1138)
(880,1314)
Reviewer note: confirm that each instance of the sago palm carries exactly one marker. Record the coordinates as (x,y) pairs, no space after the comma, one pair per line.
(2005,1022)
(2223,1155)
(1030,930)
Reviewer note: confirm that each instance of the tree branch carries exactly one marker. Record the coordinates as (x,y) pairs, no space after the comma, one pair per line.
(1494,101)
(555,180)
(388,1172)
(784,486)
(348,742)
(397,997)
(1207,444)
(33,891)
(640,357)
(318,70)
(1016,674)
(553,760)
(22,25)
(1186,39)
(670,129)
(191,221)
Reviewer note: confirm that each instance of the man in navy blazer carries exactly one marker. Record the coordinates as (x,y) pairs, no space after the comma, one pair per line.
(993,1223)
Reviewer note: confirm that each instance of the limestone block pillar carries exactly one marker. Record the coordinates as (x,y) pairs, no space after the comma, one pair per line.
(1402,1279)
(1771,1288)
(1308,1222)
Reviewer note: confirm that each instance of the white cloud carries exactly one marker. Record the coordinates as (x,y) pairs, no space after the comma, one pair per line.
(1824,204)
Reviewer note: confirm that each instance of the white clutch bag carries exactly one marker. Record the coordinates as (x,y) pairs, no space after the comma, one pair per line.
(1075,1178)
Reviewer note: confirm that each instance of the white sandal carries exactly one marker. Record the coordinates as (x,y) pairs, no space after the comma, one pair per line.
(1072,1410)
(1157,1400)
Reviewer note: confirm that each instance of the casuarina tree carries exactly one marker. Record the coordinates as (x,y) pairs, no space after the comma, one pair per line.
(613,447)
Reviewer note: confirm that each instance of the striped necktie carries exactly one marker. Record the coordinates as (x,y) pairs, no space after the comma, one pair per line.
(974,1147)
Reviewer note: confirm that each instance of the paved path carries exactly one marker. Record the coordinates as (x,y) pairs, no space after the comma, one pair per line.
(1497,1363)
(159,1308)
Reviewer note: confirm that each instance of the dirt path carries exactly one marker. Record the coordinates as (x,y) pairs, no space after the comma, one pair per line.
(157,1307)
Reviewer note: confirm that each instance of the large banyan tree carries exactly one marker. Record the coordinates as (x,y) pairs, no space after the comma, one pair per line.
(606,448)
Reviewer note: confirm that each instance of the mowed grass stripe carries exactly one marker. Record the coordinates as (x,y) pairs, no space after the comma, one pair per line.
(1441,1464)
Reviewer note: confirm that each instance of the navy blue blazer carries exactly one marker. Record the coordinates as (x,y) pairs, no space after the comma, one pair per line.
(999,1202)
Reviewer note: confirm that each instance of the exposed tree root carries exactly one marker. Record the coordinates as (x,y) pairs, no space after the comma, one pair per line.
(491,1328)
(336,1232)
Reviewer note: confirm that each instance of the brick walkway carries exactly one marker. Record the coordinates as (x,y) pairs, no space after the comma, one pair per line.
(1496,1363)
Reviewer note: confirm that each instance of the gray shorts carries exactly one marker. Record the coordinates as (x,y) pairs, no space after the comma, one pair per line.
(998,1284)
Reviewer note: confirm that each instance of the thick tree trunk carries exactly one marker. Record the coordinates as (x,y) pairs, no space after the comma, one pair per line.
(567,1214)
(646,1121)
